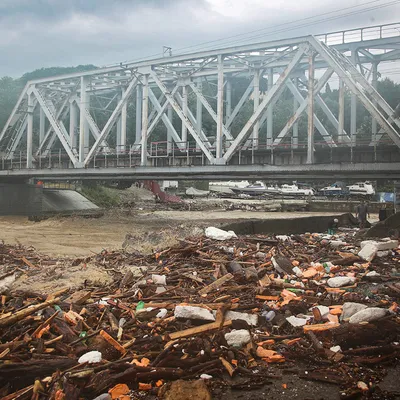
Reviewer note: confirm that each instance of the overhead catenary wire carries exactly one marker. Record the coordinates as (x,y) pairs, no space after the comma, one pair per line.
(272,30)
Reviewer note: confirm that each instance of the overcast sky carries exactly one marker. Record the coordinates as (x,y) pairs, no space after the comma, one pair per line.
(44,33)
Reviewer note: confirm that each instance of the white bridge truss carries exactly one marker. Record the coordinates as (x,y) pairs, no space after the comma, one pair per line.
(63,106)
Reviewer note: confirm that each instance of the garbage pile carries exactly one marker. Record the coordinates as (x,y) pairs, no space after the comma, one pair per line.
(214,314)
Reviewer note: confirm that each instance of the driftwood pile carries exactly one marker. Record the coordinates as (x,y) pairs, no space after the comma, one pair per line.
(238,314)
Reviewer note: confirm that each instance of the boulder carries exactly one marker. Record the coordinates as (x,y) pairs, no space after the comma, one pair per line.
(238,338)
(339,281)
(368,315)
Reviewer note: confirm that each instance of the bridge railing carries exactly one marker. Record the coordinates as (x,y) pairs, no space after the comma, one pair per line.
(163,153)
(360,34)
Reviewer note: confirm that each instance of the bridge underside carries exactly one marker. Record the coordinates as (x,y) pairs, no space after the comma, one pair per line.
(177,116)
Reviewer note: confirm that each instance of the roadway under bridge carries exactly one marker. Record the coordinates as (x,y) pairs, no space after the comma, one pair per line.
(54,131)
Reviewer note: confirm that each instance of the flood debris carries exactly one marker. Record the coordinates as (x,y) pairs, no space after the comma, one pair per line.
(197,314)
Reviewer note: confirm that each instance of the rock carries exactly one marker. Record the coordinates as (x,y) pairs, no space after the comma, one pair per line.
(298,272)
(336,349)
(368,252)
(340,281)
(362,386)
(324,311)
(372,274)
(91,357)
(368,315)
(250,274)
(159,279)
(104,396)
(295,321)
(185,390)
(205,376)
(251,319)
(384,244)
(219,234)
(260,255)
(162,313)
(6,283)
(282,237)
(190,312)
(337,243)
(383,253)
(350,308)
(238,338)
(282,264)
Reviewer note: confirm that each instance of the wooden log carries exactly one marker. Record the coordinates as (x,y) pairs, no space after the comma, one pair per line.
(21,314)
(320,327)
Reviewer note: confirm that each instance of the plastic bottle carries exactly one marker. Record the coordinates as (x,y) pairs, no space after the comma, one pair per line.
(269,315)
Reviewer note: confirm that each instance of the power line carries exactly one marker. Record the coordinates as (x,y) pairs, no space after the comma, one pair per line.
(272,29)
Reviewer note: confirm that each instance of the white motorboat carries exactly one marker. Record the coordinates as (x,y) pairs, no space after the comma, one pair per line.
(252,189)
(336,189)
(361,188)
(294,190)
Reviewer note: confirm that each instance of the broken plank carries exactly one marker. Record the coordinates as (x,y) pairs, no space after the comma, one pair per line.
(320,327)
(217,284)
(196,330)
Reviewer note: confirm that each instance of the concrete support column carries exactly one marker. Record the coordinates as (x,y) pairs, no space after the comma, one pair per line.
(42,125)
(29,133)
(310,110)
(145,120)
(270,111)
(199,112)
(184,136)
(374,124)
(256,102)
(353,106)
(295,139)
(170,115)
(220,108)
(341,112)
(124,114)
(82,120)
(73,120)
(139,100)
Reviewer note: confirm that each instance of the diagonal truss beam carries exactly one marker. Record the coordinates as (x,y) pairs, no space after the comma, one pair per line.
(302,106)
(56,126)
(193,120)
(181,115)
(210,110)
(112,120)
(346,71)
(275,91)
(161,115)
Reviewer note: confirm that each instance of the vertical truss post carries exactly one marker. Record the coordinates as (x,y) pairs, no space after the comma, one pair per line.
(185,113)
(73,119)
(310,111)
(228,110)
(145,120)
(374,124)
(295,138)
(124,114)
(29,134)
(139,100)
(82,120)
(87,126)
(220,108)
(170,115)
(353,105)
(42,125)
(270,110)
(341,111)
(256,103)
(118,136)
(199,111)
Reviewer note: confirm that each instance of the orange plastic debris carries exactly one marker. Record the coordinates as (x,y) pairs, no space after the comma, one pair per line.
(145,386)
(320,327)
(310,272)
(295,263)
(60,395)
(284,385)
(159,383)
(119,390)
(394,307)
(292,341)
(269,298)
(234,362)
(336,311)
(266,342)
(112,341)
(269,355)
(144,362)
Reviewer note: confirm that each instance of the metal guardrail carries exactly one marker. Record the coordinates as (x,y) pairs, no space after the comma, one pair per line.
(360,34)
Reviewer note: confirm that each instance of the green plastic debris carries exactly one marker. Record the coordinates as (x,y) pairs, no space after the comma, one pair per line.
(140,305)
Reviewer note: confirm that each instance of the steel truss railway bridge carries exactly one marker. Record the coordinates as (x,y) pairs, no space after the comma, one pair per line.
(52,131)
